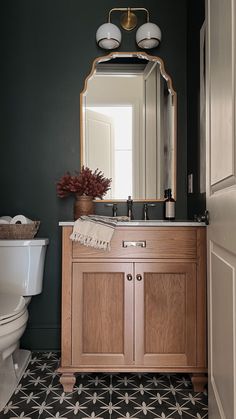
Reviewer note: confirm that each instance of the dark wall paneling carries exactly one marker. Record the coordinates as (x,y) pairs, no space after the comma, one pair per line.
(196,15)
(47,49)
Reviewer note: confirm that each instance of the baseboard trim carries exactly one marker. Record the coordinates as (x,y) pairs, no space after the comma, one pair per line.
(42,339)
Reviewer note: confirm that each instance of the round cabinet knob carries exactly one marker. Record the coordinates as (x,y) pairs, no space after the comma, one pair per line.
(129,277)
(139,277)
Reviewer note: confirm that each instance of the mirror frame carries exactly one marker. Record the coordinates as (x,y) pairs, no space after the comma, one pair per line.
(141,55)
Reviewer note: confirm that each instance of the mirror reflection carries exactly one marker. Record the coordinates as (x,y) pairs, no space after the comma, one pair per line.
(129,125)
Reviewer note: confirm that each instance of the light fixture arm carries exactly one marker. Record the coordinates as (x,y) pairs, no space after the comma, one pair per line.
(127,9)
(129,20)
(143,9)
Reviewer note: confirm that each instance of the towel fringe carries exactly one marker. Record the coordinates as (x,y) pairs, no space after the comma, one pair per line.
(90,241)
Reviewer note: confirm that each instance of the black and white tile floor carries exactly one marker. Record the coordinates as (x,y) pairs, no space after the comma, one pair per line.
(39,395)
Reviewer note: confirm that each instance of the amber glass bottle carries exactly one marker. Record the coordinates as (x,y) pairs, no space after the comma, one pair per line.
(169,206)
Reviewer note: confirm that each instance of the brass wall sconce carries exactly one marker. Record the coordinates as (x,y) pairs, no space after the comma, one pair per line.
(148,35)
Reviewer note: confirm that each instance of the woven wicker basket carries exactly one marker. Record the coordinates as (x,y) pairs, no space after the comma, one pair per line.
(19,231)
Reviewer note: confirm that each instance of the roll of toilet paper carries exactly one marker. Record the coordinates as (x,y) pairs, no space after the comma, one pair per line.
(21,219)
(5,219)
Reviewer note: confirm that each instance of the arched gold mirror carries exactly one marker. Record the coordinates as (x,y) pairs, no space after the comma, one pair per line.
(129,125)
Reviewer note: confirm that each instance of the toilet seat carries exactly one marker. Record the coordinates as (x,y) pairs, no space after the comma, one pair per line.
(12,318)
(11,307)
(13,324)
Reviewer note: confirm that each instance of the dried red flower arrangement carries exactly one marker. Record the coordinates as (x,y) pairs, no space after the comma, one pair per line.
(85,182)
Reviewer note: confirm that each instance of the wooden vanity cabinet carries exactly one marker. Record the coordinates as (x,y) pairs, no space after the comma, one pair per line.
(135,308)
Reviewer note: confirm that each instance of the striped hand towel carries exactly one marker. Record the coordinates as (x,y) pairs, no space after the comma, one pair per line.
(95,230)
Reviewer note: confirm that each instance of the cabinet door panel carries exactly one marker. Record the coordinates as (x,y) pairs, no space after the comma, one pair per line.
(165,313)
(102,314)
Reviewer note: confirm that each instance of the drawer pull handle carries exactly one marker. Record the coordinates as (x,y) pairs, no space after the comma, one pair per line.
(129,277)
(139,277)
(134,244)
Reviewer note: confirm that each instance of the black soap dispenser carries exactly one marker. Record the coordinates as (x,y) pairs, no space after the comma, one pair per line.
(169,206)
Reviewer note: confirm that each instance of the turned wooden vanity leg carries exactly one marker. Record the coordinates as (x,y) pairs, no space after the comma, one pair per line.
(67,381)
(199,381)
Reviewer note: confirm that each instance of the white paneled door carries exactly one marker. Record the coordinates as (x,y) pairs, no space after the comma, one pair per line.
(99,151)
(221,203)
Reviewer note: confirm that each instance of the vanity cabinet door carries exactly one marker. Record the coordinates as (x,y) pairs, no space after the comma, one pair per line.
(165,314)
(102,314)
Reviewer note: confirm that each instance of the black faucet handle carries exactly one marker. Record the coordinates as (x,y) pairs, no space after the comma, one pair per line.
(114,208)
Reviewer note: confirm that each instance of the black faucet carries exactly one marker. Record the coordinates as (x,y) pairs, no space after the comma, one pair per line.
(130,208)
(114,208)
(145,210)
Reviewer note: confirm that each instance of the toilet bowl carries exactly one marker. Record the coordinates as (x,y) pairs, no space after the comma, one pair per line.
(13,321)
(21,276)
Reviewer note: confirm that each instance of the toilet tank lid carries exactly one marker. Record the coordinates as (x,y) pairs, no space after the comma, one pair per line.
(26,242)
(10,304)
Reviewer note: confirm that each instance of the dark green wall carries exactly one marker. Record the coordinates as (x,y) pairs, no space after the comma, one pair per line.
(196,14)
(47,48)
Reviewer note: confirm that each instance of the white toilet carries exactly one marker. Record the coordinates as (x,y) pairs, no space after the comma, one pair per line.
(21,277)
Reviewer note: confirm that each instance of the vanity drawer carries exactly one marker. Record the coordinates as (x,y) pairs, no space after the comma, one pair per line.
(159,242)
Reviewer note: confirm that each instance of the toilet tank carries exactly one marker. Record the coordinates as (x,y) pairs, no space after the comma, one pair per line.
(22,266)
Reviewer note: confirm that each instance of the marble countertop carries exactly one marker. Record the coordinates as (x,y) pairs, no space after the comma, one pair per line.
(149,223)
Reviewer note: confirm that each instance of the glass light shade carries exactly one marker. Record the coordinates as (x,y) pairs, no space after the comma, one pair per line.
(148,36)
(108,36)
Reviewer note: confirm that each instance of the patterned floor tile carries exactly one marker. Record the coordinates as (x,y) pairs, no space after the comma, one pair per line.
(40,395)
(195,404)
(90,403)
(24,403)
(96,381)
(148,402)
(40,371)
(140,381)
(181,381)
(35,381)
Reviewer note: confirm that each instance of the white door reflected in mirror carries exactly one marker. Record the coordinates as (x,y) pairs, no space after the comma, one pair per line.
(111,127)
(128,119)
